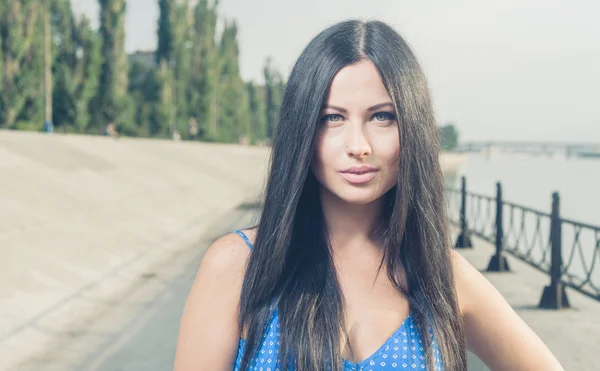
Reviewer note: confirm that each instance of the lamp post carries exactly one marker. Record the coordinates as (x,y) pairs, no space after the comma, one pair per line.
(48,126)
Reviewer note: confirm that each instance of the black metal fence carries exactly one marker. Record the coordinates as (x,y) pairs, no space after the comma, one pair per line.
(533,236)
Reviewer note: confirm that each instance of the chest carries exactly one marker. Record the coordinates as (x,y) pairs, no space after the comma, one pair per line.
(403,350)
(375,309)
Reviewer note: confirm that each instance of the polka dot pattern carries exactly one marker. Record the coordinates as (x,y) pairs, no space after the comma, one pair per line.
(402,351)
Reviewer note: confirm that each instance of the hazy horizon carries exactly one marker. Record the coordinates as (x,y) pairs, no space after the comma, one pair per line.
(515,70)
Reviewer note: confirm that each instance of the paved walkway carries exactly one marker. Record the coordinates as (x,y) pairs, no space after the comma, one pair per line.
(139,331)
(84,218)
(573,335)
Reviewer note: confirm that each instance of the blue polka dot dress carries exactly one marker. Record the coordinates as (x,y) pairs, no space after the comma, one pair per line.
(401,351)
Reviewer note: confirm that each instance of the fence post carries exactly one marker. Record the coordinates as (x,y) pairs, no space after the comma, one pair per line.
(554,296)
(464,239)
(498,263)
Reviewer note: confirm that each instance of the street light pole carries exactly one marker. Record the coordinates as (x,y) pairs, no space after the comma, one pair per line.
(48,125)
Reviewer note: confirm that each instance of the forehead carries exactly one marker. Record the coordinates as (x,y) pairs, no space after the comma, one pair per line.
(357,86)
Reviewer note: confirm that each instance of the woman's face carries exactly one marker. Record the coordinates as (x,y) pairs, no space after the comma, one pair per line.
(358,144)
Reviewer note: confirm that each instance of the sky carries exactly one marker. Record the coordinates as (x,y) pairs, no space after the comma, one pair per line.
(500,70)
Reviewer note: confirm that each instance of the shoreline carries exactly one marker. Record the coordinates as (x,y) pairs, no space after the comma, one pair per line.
(450,161)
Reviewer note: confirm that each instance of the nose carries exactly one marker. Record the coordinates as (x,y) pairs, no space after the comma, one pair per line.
(357,143)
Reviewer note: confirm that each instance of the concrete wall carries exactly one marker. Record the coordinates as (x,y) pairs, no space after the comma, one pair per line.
(82,218)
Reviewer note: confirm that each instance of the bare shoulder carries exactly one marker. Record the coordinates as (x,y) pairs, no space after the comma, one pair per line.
(461,265)
(212,307)
(224,263)
(227,254)
(474,291)
(464,272)
(495,332)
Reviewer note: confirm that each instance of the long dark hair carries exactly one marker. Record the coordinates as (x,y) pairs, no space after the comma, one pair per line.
(291,267)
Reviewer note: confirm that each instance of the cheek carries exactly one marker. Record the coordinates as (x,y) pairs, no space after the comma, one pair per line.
(388,149)
(396,154)
(389,155)
(392,161)
(326,149)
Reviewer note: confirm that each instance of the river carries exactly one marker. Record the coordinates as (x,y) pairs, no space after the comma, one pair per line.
(529,180)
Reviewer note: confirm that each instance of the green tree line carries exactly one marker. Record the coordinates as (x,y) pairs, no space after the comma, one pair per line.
(448,136)
(189,86)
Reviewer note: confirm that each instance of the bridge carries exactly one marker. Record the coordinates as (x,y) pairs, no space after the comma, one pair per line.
(582,149)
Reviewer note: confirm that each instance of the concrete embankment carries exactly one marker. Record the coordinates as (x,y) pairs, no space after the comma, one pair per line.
(83,218)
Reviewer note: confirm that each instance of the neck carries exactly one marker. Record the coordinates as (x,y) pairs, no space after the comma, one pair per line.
(349,225)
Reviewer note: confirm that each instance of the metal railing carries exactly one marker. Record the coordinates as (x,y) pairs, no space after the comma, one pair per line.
(533,236)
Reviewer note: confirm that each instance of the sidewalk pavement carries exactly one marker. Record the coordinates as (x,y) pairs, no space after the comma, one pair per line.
(573,335)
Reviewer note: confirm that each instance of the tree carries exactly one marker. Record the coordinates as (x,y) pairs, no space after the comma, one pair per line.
(144,88)
(64,60)
(274,87)
(163,112)
(166,30)
(75,67)
(257,112)
(3,8)
(112,103)
(165,59)
(233,102)
(448,137)
(184,27)
(173,59)
(195,82)
(149,87)
(204,71)
(87,72)
(21,35)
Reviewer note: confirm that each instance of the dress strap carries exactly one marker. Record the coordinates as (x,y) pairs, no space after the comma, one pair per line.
(243,235)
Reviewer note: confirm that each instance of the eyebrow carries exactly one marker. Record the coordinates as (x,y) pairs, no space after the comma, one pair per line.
(373,108)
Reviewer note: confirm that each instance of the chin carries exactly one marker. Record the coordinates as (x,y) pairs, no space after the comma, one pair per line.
(357,195)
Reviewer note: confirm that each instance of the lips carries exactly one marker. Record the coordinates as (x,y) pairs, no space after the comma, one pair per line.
(360,169)
(359,174)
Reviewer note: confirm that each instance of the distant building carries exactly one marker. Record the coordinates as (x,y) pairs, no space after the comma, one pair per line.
(146,57)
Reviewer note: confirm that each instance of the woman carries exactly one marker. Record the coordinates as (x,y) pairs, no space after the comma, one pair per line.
(351,266)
